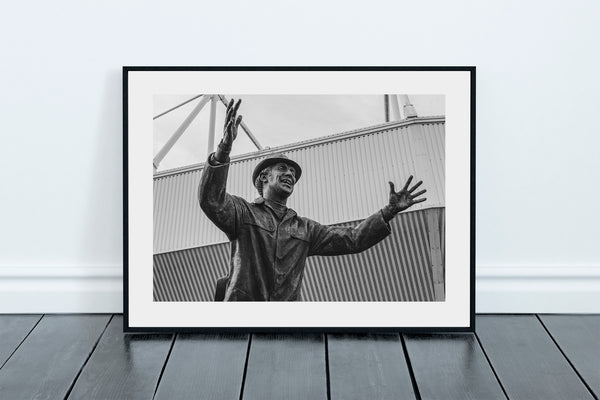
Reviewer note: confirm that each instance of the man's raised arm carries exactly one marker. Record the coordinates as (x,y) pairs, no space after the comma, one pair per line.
(331,240)
(216,203)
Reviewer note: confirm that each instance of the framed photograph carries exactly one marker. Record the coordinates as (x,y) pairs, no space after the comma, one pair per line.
(300,199)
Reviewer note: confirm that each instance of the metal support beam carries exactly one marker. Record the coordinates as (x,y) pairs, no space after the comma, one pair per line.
(176,107)
(211,124)
(435,253)
(243,125)
(184,125)
(396,116)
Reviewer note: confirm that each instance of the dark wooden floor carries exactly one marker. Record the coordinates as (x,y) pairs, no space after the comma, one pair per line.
(510,356)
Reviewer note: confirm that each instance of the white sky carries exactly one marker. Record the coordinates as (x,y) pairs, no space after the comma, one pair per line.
(274,120)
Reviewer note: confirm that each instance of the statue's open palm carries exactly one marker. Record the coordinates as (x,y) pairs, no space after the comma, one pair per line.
(232,122)
(405,198)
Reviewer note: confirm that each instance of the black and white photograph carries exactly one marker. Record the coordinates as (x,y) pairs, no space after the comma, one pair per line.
(299,198)
(330,198)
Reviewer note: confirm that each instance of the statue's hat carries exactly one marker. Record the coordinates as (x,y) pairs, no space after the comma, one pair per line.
(274,159)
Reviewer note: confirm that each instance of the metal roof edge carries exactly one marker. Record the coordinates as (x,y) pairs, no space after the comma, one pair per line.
(310,143)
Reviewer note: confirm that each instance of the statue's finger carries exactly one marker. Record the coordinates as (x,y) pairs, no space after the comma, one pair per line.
(229,110)
(237,105)
(234,109)
(407,183)
(420,200)
(418,193)
(391,187)
(414,187)
(237,122)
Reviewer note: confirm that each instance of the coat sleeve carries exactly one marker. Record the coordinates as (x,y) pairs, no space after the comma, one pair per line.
(328,240)
(223,209)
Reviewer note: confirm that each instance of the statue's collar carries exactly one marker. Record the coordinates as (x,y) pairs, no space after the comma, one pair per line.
(261,201)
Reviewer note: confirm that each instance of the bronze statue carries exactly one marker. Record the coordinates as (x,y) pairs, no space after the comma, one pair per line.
(269,242)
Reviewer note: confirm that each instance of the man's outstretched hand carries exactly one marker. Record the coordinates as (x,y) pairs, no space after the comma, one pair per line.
(405,198)
(232,122)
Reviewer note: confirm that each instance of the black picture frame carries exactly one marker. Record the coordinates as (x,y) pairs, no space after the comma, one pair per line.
(130,327)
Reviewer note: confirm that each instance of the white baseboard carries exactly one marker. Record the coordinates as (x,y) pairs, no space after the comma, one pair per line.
(519,290)
(99,289)
(49,289)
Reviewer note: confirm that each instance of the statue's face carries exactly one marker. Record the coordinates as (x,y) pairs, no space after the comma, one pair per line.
(281,179)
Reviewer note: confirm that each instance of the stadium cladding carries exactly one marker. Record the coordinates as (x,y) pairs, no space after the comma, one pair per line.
(344,180)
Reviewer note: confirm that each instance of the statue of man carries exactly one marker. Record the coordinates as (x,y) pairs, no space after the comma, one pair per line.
(269,242)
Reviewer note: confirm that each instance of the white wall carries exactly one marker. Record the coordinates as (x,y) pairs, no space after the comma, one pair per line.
(538,93)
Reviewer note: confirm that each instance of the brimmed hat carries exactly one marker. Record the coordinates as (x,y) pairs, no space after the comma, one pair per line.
(274,159)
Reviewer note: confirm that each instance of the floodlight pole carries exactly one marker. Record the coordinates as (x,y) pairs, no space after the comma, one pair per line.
(177,134)
(386,104)
(211,126)
(244,126)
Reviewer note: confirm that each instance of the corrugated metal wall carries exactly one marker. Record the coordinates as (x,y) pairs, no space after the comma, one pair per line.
(344,179)
(397,269)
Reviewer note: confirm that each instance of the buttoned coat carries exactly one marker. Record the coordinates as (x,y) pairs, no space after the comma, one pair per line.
(268,254)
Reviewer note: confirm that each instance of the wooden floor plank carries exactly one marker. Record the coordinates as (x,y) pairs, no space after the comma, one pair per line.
(579,338)
(123,366)
(526,360)
(13,329)
(368,367)
(286,366)
(204,367)
(451,366)
(46,364)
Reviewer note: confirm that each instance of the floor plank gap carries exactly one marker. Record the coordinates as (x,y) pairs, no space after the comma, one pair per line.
(208,364)
(490,364)
(87,359)
(368,366)
(286,366)
(566,358)
(410,368)
(246,366)
(20,343)
(162,371)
